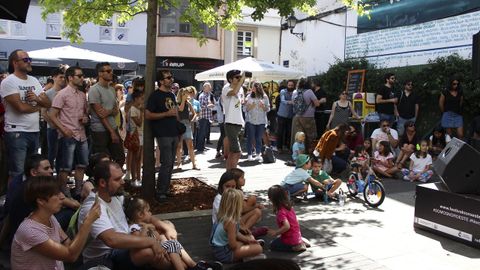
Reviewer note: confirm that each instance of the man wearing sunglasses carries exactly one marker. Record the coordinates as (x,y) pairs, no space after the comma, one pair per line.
(23,99)
(384,133)
(386,99)
(103,103)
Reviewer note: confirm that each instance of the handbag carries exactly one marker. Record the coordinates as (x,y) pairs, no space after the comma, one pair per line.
(181,128)
(132,142)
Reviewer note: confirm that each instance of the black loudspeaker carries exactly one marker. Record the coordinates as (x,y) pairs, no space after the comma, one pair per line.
(476,56)
(458,165)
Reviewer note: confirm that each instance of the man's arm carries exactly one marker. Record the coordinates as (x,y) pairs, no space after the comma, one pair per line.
(98,109)
(117,240)
(155,116)
(237,87)
(19,106)
(56,122)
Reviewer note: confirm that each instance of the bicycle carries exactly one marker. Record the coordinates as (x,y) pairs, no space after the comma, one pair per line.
(372,189)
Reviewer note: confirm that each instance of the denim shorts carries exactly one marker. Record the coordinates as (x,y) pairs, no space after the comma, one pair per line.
(188,135)
(72,150)
(452,120)
(224,254)
(292,189)
(19,146)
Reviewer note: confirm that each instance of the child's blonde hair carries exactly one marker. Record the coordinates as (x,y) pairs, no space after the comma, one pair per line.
(298,135)
(230,206)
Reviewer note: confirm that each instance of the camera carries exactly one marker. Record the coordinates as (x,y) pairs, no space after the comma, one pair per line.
(248,74)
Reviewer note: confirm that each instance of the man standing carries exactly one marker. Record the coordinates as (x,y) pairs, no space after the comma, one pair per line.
(103,109)
(111,242)
(320,116)
(69,115)
(205,115)
(284,116)
(386,100)
(232,99)
(407,107)
(23,98)
(52,134)
(162,112)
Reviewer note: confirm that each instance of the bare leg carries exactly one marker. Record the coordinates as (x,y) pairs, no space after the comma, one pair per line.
(232,160)
(177,261)
(460,133)
(251,218)
(247,250)
(187,259)
(79,174)
(179,153)
(191,153)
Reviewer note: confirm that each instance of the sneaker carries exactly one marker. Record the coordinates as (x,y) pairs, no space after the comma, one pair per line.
(259,231)
(261,242)
(299,247)
(275,149)
(250,158)
(259,158)
(203,265)
(258,257)
(218,155)
(406,178)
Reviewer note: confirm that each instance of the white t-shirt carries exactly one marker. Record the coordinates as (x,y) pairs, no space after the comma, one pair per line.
(380,136)
(420,163)
(111,217)
(232,106)
(15,121)
(447,138)
(215,207)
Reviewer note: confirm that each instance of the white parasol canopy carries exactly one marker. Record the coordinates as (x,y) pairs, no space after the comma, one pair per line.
(261,71)
(72,56)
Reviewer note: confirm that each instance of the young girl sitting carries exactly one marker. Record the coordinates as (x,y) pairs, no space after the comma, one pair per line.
(383,160)
(297,148)
(228,244)
(368,146)
(138,214)
(227,180)
(420,163)
(288,228)
(438,141)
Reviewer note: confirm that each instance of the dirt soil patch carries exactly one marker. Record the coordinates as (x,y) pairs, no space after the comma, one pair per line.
(189,194)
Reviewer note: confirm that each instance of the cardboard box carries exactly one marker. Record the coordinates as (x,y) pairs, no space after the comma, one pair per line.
(453,215)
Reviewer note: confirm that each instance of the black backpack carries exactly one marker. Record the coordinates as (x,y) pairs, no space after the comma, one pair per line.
(268,155)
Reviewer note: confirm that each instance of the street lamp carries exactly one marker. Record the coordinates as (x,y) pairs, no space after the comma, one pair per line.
(292,22)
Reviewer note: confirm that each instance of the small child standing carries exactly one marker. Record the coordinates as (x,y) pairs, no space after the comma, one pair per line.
(383,160)
(420,163)
(288,228)
(329,184)
(138,213)
(296,182)
(228,244)
(299,145)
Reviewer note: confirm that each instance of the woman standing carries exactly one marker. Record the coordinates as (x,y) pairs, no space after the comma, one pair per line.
(450,103)
(257,108)
(40,242)
(186,113)
(342,109)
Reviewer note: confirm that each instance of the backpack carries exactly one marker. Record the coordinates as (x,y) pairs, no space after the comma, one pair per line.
(268,155)
(299,105)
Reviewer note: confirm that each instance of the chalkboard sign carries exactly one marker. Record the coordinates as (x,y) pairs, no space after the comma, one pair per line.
(355,81)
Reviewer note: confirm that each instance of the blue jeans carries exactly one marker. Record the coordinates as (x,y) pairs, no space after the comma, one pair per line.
(401,124)
(202,133)
(389,117)
(52,142)
(19,146)
(168,149)
(255,134)
(72,151)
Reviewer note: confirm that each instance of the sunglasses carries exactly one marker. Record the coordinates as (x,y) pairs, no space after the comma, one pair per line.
(107,71)
(237,77)
(344,93)
(26,59)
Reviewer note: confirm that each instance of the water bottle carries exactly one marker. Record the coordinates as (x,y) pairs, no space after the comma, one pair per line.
(341,198)
(325,197)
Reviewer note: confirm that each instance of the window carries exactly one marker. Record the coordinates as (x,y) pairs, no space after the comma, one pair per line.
(12,29)
(170,24)
(244,44)
(54,26)
(114,31)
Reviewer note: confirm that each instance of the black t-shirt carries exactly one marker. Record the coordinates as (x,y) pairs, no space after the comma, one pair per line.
(160,102)
(406,104)
(386,93)
(320,94)
(452,103)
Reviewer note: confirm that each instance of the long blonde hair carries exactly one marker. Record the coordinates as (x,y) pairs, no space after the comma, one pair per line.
(230,206)
(180,94)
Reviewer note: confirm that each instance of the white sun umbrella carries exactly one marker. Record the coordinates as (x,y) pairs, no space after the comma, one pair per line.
(261,71)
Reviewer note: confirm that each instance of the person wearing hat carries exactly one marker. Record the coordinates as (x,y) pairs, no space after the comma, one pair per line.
(296,182)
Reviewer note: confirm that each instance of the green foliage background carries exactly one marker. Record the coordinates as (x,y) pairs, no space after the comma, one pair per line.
(429,80)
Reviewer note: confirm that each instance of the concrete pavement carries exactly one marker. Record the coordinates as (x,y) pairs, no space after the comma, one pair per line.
(357,236)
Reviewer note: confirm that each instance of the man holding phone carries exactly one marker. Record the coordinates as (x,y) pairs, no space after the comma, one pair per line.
(24,98)
(232,99)
(384,133)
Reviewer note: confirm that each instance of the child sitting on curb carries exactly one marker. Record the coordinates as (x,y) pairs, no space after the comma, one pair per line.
(296,182)
(329,184)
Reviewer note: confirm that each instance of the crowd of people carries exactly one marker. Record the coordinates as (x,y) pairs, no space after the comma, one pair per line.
(93,128)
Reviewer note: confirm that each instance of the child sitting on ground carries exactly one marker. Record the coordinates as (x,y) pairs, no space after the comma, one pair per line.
(362,159)
(420,163)
(438,141)
(329,184)
(288,228)
(227,180)
(251,210)
(228,244)
(297,148)
(383,160)
(296,182)
(138,214)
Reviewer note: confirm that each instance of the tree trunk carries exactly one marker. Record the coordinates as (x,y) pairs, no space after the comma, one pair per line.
(148,181)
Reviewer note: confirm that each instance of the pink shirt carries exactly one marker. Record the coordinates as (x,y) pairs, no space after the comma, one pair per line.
(31,234)
(72,104)
(293,236)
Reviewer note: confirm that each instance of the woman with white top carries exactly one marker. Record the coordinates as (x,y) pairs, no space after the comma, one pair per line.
(257,106)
